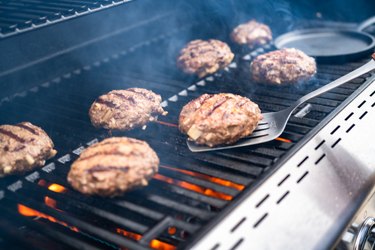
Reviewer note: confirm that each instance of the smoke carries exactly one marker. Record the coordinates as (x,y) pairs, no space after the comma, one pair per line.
(121,29)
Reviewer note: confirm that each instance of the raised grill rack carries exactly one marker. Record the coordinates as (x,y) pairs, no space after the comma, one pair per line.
(190,190)
(20,16)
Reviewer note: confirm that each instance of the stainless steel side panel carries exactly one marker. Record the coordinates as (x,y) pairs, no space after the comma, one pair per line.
(310,200)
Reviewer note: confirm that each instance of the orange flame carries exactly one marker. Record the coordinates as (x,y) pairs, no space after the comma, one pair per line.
(193,187)
(128,234)
(154,244)
(209,178)
(57,188)
(172,230)
(50,202)
(167,124)
(283,140)
(26,211)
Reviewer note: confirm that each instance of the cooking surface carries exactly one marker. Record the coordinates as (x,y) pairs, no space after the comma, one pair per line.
(190,189)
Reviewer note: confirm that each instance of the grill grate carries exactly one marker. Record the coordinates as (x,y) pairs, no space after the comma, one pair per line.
(189,190)
(18,16)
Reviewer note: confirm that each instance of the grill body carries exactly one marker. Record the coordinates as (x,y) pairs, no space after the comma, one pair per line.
(53,72)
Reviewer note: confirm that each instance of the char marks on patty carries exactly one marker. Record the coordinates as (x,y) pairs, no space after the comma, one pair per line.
(285,66)
(113,166)
(252,34)
(23,147)
(125,109)
(219,119)
(204,57)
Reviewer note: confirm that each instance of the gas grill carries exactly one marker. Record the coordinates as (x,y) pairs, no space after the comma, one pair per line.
(306,187)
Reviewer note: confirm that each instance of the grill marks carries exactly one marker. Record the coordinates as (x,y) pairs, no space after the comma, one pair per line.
(105,102)
(130,98)
(22,125)
(113,166)
(205,98)
(11,135)
(125,109)
(220,103)
(23,147)
(107,149)
(219,119)
(217,105)
(125,97)
(113,142)
(251,34)
(111,104)
(149,97)
(16,149)
(100,168)
(202,57)
(241,103)
(105,153)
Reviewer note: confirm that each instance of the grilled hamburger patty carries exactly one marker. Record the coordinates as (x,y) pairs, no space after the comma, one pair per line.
(283,66)
(252,34)
(125,109)
(204,57)
(113,166)
(219,118)
(23,147)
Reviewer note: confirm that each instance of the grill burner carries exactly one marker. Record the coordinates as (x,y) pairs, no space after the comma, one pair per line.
(189,191)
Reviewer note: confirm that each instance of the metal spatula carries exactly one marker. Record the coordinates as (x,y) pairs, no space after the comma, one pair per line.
(273,124)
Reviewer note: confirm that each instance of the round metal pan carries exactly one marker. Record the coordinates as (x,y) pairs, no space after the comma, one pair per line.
(328,45)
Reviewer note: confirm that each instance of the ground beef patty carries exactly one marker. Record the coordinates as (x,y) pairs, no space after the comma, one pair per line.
(252,34)
(204,57)
(23,147)
(283,66)
(219,119)
(125,109)
(113,166)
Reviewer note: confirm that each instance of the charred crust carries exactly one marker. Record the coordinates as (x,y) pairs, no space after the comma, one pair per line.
(251,34)
(285,66)
(12,135)
(23,148)
(204,57)
(125,97)
(105,102)
(235,117)
(24,126)
(115,173)
(99,168)
(147,96)
(125,109)
(217,105)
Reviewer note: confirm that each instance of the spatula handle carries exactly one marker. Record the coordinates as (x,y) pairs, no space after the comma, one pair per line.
(344,79)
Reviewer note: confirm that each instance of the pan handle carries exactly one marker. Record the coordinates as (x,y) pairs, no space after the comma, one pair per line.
(366,23)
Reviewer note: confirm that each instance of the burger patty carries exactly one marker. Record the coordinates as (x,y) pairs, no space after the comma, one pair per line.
(219,118)
(252,34)
(204,57)
(23,147)
(113,166)
(283,66)
(125,109)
